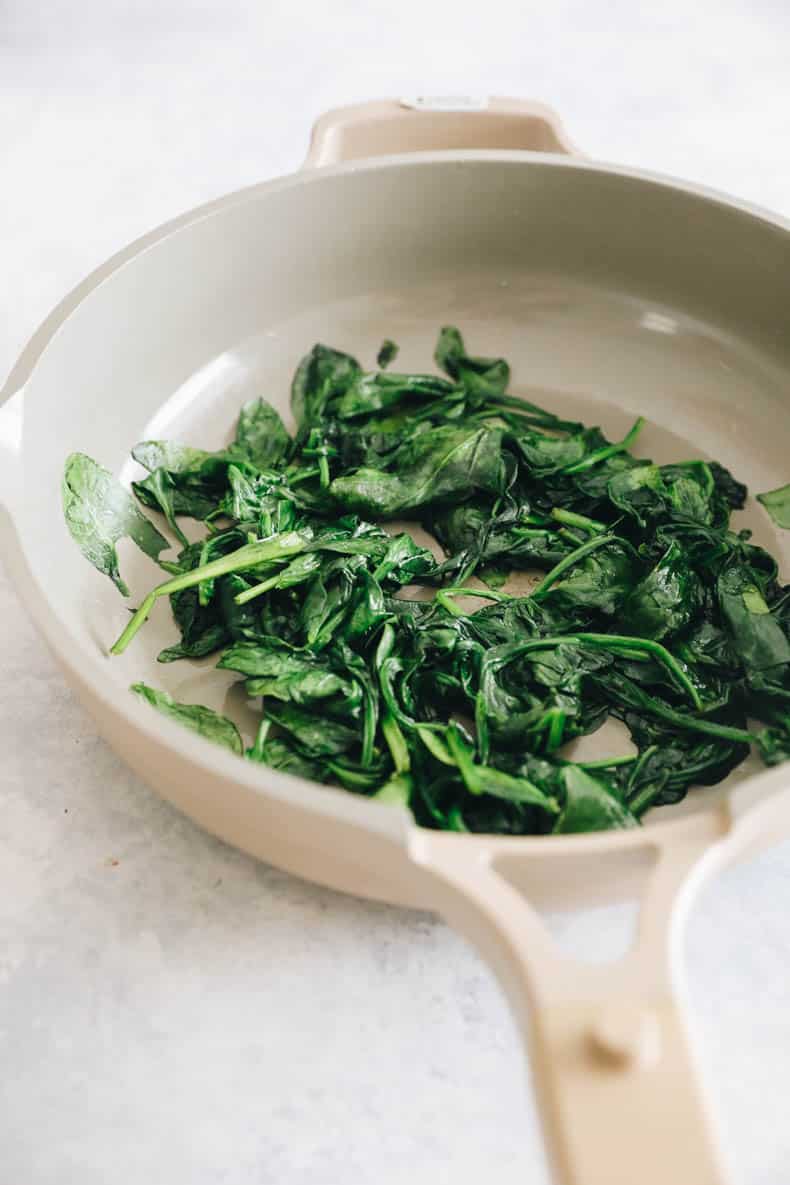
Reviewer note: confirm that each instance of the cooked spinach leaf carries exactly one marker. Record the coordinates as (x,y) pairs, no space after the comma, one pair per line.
(204,721)
(435,467)
(261,437)
(99,512)
(777,503)
(590,804)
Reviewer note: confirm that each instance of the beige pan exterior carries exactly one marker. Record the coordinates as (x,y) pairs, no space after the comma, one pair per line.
(613,293)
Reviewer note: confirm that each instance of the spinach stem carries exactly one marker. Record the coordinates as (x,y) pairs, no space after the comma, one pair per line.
(571,519)
(386,642)
(257,590)
(429,735)
(532,532)
(523,405)
(396,743)
(303,475)
(698,724)
(256,752)
(517,422)
(444,597)
(369,724)
(644,799)
(611,450)
(655,650)
(568,562)
(323,471)
(250,555)
(608,762)
(644,757)
(469,571)
(556,729)
(616,643)
(536,520)
(455,820)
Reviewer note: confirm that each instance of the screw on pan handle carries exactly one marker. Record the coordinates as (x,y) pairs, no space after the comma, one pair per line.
(390,127)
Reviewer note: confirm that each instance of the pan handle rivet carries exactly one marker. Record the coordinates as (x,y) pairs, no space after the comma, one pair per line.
(627,1036)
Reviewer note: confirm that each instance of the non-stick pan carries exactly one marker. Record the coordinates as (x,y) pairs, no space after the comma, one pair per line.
(613,292)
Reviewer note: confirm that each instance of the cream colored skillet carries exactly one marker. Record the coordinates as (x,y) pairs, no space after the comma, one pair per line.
(613,293)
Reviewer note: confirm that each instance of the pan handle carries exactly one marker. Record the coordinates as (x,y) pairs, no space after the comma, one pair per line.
(615,1074)
(391,126)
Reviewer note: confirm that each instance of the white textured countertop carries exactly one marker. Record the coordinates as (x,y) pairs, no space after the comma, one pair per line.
(171,1012)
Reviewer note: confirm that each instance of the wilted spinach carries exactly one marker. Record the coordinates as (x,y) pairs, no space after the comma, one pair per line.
(99,512)
(647,606)
(204,721)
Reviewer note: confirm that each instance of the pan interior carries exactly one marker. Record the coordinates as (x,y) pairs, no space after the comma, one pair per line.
(588,353)
(611,297)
